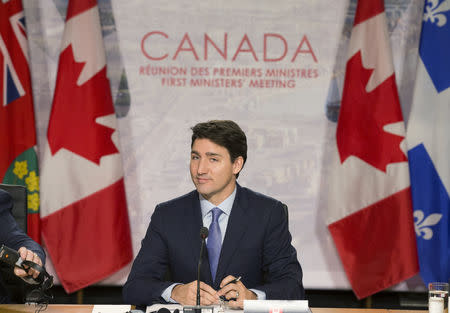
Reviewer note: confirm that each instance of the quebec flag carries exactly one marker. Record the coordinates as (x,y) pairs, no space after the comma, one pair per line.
(428,137)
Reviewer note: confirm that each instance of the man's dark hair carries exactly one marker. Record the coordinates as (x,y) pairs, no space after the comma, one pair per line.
(224,133)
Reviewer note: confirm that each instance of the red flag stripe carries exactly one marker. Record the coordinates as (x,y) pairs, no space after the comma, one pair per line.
(79,6)
(34,226)
(368,9)
(376,250)
(84,240)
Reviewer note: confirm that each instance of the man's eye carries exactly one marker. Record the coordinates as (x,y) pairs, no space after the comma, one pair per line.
(194,157)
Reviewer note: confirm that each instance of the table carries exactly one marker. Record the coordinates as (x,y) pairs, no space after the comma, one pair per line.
(85,308)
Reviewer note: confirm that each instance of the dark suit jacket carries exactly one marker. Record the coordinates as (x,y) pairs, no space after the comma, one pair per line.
(12,236)
(257,246)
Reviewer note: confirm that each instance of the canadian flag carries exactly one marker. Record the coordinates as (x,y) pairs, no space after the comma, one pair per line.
(85,223)
(370,212)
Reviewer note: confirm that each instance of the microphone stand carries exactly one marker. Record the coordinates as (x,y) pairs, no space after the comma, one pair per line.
(203,234)
(199,268)
(198,308)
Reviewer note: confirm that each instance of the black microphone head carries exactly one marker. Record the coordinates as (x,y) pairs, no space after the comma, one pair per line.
(204,232)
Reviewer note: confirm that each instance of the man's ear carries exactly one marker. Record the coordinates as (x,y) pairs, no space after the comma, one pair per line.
(238,164)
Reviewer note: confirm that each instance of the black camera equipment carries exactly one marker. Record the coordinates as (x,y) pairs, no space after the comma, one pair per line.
(39,292)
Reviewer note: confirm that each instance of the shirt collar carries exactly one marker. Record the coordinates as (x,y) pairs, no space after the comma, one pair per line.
(225,206)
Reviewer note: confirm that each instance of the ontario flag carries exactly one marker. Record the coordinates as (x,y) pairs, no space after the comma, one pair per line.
(429,144)
(85,222)
(18,160)
(370,212)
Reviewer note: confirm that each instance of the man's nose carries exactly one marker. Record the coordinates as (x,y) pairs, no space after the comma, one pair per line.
(202,166)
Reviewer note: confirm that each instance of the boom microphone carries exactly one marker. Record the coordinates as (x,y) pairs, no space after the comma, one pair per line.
(203,235)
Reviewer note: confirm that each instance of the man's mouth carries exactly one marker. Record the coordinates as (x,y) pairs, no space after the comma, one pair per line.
(202,180)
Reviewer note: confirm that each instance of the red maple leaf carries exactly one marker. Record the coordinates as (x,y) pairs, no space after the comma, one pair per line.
(72,122)
(363,116)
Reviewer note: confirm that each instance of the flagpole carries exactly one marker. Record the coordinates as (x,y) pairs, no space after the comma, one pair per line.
(368,302)
(80,296)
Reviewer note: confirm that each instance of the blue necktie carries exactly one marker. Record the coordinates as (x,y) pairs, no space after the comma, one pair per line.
(214,243)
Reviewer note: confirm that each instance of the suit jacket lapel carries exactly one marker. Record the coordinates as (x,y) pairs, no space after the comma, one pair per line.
(236,228)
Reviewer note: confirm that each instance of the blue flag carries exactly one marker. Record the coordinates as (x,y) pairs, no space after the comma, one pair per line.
(428,137)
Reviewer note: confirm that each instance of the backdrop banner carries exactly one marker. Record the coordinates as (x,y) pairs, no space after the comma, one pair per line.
(276,68)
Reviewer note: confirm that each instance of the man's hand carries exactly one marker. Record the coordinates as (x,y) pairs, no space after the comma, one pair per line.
(235,291)
(187,294)
(28,255)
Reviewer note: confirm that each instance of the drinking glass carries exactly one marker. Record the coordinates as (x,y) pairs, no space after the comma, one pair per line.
(438,297)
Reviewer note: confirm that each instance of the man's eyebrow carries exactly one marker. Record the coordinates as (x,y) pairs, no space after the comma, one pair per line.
(213,154)
(207,153)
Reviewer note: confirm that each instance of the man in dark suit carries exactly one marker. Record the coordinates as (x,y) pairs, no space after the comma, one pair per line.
(248,234)
(13,237)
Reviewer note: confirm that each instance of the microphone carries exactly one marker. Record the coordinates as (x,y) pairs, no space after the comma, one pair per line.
(203,234)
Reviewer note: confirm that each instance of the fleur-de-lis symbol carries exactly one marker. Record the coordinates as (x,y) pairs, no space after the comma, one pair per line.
(421,224)
(434,12)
